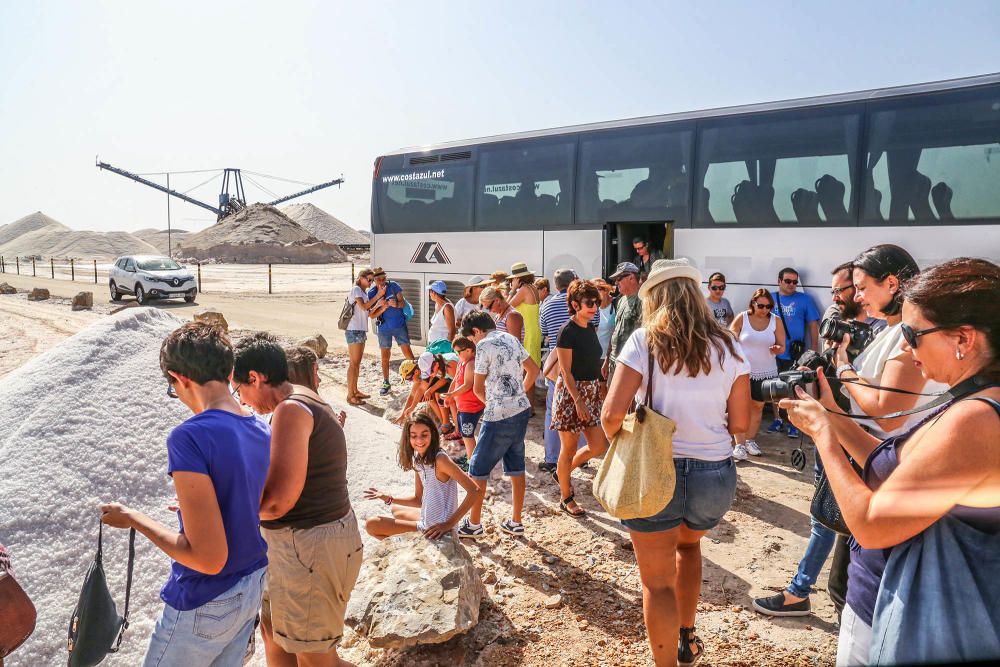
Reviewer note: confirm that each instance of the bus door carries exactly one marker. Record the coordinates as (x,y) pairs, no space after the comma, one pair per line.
(618,237)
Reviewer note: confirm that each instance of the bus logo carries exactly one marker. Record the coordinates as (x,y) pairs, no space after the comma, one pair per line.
(430,252)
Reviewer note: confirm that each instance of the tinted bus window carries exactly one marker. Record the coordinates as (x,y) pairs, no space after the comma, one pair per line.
(636,175)
(783,168)
(527,186)
(934,159)
(430,198)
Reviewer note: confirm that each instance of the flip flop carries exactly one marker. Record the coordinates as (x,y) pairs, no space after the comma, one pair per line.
(354,400)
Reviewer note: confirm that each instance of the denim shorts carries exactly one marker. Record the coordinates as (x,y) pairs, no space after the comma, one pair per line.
(354,337)
(467,423)
(704,492)
(216,633)
(386,335)
(501,440)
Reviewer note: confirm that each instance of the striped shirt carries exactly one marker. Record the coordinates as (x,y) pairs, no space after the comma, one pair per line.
(553,315)
(439,499)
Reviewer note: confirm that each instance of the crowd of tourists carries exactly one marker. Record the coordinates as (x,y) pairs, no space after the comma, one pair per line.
(905,427)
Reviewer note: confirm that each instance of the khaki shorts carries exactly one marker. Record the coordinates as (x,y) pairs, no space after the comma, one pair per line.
(310,576)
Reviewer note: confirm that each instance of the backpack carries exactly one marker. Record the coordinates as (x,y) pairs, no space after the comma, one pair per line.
(346,314)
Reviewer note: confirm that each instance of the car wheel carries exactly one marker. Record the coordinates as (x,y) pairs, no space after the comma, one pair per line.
(115,294)
(191,296)
(140,295)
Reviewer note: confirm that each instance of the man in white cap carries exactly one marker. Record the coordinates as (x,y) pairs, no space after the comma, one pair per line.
(629,314)
(470,298)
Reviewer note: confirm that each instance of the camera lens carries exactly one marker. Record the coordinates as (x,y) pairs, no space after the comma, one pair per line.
(774,390)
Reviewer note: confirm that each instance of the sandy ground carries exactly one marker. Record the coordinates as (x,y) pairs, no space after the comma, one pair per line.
(754,551)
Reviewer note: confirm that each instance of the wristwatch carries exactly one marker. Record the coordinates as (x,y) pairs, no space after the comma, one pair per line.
(843,368)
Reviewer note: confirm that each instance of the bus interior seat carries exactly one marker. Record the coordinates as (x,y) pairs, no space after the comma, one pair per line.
(830,193)
(920,202)
(941,194)
(805,203)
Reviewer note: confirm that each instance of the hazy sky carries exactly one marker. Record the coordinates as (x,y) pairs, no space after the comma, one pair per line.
(312,90)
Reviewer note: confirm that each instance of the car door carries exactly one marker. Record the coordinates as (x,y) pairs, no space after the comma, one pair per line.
(128,276)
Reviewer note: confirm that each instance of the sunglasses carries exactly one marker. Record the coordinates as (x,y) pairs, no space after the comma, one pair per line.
(788,281)
(235,393)
(589,303)
(912,336)
(837,291)
(171,392)
(765,306)
(717,288)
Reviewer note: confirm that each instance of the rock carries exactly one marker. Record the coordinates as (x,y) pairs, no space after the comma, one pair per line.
(212,316)
(7,289)
(490,577)
(394,406)
(38,294)
(315,343)
(412,590)
(83,301)
(551,560)
(553,601)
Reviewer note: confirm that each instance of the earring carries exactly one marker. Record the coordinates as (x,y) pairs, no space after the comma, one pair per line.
(959,355)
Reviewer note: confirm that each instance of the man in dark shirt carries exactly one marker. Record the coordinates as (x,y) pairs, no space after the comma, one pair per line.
(645,255)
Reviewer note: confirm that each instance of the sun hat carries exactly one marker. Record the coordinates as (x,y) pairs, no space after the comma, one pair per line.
(520,269)
(406,368)
(438,287)
(424,362)
(378,271)
(668,269)
(622,269)
(476,281)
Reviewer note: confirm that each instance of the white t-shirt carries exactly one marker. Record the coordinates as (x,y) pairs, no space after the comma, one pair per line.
(499,356)
(463,308)
(359,321)
(697,404)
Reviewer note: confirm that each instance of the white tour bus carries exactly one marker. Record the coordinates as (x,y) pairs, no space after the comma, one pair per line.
(745,190)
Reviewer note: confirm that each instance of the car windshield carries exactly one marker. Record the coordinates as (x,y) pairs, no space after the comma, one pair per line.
(158,264)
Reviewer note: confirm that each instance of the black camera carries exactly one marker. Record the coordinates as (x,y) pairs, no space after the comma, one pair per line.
(784,385)
(861,334)
(825,361)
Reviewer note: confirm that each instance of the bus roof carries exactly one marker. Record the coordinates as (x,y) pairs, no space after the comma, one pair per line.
(802,102)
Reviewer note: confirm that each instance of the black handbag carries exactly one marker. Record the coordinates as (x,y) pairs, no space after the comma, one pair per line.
(96,629)
(795,347)
(824,507)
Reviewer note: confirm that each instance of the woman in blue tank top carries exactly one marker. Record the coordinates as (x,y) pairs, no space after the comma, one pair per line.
(925,516)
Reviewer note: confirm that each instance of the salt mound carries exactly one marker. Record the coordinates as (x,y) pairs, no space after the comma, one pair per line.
(158,238)
(61,241)
(259,234)
(29,223)
(83,423)
(324,226)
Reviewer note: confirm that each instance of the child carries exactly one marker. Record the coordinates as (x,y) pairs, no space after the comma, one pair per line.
(408,372)
(437,371)
(462,400)
(436,493)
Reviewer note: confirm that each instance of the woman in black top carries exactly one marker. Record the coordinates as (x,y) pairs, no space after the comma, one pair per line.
(580,389)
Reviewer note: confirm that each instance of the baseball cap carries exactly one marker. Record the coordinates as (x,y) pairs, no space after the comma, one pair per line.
(439,287)
(406,368)
(424,363)
(623,268)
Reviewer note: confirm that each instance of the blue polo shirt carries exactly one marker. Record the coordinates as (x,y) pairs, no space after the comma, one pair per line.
(799,310)
(234,451)
(392,317)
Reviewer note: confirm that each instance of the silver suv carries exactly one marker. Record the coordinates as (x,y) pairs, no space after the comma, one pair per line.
(150,277)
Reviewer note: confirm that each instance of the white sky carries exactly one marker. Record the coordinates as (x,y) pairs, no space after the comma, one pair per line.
(313,90)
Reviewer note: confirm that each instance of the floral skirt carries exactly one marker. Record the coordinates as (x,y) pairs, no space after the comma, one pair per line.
(564,416)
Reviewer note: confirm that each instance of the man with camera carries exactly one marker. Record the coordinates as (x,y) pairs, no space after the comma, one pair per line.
(800,318)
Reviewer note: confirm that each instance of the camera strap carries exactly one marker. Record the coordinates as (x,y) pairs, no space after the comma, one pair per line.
(958,392)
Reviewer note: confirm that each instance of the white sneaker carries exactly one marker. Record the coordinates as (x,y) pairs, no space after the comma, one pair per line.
(740,453)
(753,448)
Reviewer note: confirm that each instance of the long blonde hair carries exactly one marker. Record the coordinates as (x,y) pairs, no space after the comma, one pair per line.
(681,330)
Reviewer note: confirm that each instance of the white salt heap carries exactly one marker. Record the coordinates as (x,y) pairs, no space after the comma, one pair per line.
(87,422)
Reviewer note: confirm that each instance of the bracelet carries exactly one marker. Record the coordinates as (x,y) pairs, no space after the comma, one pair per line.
(843,368)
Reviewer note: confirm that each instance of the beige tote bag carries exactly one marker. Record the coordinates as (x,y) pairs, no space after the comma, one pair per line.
(637,477)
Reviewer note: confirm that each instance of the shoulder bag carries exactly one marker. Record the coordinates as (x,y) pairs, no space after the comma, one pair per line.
(96,629)
(346,313)
(17,613)
(795,347)
(637,477)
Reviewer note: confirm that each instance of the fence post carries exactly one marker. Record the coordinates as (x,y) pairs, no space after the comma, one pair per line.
(17,261)
(3,269)
(199,278)
(353,278)
(95,271)
(33,273)
(52,267)
(269,278)
(72,270)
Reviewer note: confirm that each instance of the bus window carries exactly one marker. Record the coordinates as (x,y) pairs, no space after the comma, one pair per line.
(430,198)
(783,168)
(637,175)
(526,186)
(935,159)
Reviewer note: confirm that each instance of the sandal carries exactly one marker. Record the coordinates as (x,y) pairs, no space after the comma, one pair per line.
(447,428)
(355,400)
(685,658)
(564,506)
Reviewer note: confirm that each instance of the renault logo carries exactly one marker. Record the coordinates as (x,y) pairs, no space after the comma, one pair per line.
(430,252)
(175,282)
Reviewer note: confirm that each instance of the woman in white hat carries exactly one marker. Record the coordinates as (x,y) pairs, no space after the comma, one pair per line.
(701,381)
(470,298)
(524,299)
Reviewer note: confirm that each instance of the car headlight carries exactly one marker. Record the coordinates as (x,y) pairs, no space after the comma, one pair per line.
(151,279)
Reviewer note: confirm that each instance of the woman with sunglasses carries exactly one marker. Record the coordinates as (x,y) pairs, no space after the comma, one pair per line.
(925,515)
(761,339)
(718,304)
(579,390)
(878,274)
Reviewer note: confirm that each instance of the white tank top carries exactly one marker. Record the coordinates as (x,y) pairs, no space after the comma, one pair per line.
(439,325)
(755,345)
(440,498)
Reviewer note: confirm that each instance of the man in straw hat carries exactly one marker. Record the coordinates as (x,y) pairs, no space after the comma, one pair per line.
(391,323)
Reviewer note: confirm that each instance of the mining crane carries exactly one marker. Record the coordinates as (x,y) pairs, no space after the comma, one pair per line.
(232,197)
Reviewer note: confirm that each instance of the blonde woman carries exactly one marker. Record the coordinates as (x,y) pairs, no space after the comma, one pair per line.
(700,380)
(525,300)
(357,331)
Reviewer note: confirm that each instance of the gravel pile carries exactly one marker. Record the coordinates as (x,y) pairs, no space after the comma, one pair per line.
(324,226)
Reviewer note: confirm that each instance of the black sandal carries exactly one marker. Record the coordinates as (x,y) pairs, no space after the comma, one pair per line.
(563,505)
(685,658)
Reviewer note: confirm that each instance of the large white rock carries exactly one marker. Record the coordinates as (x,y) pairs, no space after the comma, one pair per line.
(412,590)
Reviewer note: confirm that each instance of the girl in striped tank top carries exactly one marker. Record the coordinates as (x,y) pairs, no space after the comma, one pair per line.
(433,508)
